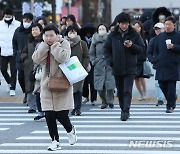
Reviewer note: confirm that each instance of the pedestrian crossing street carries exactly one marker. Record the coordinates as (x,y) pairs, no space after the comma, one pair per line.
(148,131)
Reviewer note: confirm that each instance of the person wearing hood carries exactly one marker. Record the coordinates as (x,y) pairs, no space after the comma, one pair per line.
(8,26)
(120,50)
(104,81)
(19,41)
(87,32)
(78,48)
(159,15)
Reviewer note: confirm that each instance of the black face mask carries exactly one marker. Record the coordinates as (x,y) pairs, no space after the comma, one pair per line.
(8,21)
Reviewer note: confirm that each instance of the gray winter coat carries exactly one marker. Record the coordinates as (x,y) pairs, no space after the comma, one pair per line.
(102,72)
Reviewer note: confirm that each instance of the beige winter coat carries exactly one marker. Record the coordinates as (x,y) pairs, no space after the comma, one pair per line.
(59,53)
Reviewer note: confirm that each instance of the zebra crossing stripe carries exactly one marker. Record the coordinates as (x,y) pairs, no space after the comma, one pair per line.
(67,144)
(103,138)
(90,151)
(133,113)
(115,132)
(10,124)
(2,129)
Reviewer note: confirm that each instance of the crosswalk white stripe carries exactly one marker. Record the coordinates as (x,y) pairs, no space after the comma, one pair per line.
(136,109)
(104,138)
(76,145)
(129,122)
(13,111)
(13,107)
(134,117)
(115,132)
(132,113)
(90,151)
(2,129)
(16,119)
(10,124)
(124,126)
(18,115)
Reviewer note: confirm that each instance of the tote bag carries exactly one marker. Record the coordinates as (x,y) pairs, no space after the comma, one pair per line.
(147,69)
(73,70)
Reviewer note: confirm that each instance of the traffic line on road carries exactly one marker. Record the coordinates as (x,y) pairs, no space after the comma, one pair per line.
(133,151)
(103,138)
(116,132)
(2,129)
(11,124)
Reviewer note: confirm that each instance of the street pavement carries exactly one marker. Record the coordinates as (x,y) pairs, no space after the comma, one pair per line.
(148,131)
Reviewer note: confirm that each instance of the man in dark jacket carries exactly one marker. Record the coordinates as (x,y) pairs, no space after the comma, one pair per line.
(121,48)
(19,42)
(167,60)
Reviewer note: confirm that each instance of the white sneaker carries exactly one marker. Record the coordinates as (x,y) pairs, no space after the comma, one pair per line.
(54,146)
(8,88)
(72,136)
(12,93)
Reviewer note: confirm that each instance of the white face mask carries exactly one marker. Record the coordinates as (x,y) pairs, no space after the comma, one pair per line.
(162,17)
(72,35)
(7,19)
(26,25)
(102,32)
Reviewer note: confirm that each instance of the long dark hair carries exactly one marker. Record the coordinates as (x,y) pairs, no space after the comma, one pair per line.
(142,32)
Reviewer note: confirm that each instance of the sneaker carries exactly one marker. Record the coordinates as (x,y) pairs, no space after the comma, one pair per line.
(54,146)
(169,110)
(72,136)
(38,118)
(124,116)
(31,111)
(73,112)
(111,106)
(8,88)
(85,101)
(78,112)
(160,102)
(93,103)
(12,93)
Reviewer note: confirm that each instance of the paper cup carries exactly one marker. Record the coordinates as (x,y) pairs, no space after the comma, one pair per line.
(168,41)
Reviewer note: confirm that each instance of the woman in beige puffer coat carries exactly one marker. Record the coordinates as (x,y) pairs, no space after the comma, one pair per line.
(56,105)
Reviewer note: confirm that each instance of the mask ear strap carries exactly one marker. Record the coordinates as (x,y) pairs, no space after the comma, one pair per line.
(43,37)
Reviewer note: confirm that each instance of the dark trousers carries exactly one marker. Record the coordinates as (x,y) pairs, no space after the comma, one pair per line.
(169,90)
(124,85)
(21,80)
(38,102)
(10,79)
(77,99)
(62,117)
(86,90)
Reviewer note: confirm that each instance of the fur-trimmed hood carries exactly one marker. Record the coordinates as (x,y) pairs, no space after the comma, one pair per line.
(160,10)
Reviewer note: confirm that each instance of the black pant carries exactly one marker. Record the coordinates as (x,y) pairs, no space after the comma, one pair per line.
(124,86)
(169,90)
(21,80)
(77,99)
(86,90)
(10,79)
(62,117)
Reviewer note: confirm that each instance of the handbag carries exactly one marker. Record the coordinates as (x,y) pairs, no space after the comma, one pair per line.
(147,69)
(38,74)
(56,83)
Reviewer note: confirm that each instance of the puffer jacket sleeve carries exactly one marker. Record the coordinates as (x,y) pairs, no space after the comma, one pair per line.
(138,46)
(108,50)
(61,51)
(40,54)
(85,56)
(92,51)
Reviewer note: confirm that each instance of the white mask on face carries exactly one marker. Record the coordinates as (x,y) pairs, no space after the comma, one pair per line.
(102,32)
(162,17)
(7,19)
(26,25)
(72,35)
